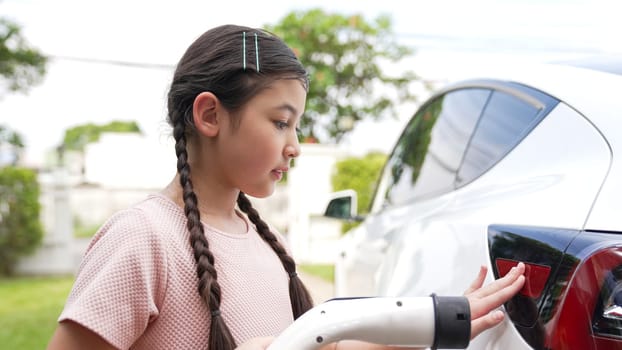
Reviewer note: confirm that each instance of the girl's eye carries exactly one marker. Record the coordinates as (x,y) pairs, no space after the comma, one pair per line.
(281,125)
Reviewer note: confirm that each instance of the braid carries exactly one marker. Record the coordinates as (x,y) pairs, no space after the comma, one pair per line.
(298,294)
(220,337)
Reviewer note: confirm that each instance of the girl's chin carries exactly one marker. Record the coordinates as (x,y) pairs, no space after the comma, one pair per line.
(261,192)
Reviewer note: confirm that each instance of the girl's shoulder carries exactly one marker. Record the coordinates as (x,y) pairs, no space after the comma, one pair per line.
(150,220)
(160,210)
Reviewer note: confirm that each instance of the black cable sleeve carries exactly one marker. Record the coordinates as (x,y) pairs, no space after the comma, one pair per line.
(452,322)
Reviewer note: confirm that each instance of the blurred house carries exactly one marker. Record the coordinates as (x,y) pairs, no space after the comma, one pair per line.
(111,174)
(313,237)
(123,168)
(129,160)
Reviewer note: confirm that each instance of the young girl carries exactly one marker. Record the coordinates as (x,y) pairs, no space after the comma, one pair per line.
(194,266)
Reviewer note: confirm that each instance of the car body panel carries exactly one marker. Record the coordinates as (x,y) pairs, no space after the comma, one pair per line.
(570,181)
(434,229)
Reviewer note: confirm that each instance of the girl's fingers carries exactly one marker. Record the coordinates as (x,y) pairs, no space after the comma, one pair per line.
(484,299)
(481,306)
(260,343)
(265,341)
(501,283)
(485,322)
(490,297)
(479,281)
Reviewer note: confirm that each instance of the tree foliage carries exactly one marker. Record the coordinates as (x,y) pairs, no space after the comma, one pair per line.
(20,228)
(345,56)
(78,136)
(12,143)
(360,175)
(11,137)
(21,65)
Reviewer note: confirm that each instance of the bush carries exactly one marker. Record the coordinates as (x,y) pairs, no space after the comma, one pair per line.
(84,230)
(360,175)
(20,228)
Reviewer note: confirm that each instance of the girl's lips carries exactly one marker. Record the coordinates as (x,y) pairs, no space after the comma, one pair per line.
(278,174)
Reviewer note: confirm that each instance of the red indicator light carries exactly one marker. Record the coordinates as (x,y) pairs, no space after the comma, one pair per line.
(535,276)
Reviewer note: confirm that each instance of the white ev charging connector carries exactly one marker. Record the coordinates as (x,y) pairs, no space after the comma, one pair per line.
(436,322)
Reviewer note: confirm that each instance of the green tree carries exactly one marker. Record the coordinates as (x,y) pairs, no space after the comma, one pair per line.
(360,175)
(344,56)
(78,136)
(11,144)
(20,65)
(20,228)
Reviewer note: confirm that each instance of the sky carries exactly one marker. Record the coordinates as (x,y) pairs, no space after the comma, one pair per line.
(84,37)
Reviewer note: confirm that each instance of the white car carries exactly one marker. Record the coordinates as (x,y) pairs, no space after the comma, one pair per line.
(524,165)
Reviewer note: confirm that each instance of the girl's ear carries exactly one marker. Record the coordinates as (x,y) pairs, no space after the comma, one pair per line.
(205,113)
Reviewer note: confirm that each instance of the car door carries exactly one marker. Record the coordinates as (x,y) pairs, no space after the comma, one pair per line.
(423,165)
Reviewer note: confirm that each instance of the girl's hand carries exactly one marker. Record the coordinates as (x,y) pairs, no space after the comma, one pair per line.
(484,299)
(256,344)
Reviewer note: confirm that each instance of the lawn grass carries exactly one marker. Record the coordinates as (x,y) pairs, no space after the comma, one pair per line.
(29,307)
(324,271)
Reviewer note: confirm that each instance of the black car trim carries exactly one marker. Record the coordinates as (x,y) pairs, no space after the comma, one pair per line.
(561,249)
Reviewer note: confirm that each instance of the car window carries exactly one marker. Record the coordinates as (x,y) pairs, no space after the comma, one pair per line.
(505,121)
(428,154)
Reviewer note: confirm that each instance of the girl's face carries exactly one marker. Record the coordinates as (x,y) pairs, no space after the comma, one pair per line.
(258,151)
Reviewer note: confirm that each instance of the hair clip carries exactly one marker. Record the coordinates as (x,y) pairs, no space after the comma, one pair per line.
(244,50)
(256,53)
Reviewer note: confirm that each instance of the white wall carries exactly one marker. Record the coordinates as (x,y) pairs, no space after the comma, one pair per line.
(129,160)
(122,169)
(312,237)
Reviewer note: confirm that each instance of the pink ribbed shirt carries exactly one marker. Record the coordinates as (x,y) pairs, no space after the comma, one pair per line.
(137,285)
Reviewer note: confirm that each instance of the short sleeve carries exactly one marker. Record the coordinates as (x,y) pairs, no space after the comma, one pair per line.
(121,281)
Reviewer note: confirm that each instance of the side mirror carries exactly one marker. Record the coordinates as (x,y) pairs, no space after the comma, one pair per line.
(343,206)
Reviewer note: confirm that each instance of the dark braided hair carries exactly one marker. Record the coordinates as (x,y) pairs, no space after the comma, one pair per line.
(298,294)
(215,63)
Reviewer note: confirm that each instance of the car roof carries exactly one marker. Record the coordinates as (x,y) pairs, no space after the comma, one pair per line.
(606,64)
(585,85)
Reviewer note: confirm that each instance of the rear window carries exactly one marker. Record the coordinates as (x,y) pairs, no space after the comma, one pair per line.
(505,122)
(427,156)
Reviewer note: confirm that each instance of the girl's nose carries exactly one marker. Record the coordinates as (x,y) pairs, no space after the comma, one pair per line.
(292,149)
